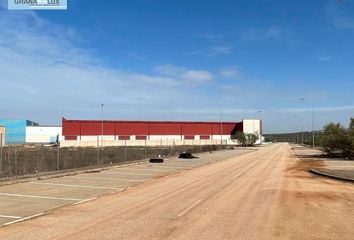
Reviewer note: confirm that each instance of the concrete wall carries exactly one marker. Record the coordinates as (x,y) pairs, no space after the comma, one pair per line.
(253,126)
(2,136)
(42,134)
(95,141)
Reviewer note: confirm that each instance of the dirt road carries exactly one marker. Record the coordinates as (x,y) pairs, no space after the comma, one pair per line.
(259,195)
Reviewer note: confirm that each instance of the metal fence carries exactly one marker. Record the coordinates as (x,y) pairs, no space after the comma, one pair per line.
(24,161)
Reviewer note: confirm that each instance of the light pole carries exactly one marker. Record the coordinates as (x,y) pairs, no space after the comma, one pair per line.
(221,127)
(313,121)
(221,131)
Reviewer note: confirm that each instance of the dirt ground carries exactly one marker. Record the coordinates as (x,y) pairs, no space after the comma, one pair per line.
(267,194)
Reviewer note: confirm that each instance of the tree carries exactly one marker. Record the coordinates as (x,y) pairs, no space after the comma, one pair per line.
(251,139)
(240,137)
(245,139)
(336,140)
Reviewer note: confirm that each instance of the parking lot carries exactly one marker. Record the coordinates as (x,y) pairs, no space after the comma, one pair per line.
(22,201)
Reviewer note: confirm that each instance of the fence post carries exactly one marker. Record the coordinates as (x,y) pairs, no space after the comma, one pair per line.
(58,157)
(16,163)
(98,150)
(145,150)
(160,147)
(125,150)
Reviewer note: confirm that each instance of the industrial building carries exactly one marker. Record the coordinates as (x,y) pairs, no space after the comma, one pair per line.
(94,133)
(29,132)
(16,130)
(115,133)
(2,136)
(43,134)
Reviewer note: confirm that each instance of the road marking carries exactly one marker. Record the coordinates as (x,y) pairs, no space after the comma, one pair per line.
(189,208)
(73,185)
(23,219)
(6,216)
(41,197)
(85,200)
(119,179)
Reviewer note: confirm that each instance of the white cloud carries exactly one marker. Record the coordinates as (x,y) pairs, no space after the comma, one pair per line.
(230,72)
(170,70)
(185,75)
(197,77)
(46,75)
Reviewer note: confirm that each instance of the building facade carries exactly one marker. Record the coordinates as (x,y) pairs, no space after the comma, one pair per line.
(2,136)
(16,130)
(253,126)
(115,133)
(43,134)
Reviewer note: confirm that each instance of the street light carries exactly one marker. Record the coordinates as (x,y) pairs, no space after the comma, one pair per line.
(313,121)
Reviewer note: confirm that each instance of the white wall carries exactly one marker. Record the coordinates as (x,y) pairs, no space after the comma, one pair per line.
(42,134)
(253,126)
(2,136)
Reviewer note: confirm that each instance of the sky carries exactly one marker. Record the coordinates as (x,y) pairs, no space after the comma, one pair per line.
(180,60)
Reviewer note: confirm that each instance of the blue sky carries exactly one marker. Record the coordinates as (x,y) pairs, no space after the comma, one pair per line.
(180,60)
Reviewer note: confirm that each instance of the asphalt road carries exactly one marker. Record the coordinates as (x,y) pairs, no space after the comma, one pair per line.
(266,194)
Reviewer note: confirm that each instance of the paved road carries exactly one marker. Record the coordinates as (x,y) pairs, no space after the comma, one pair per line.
(259,195)
(21,201)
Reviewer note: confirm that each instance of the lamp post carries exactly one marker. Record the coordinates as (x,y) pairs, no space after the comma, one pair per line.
(313,121)
(221,131)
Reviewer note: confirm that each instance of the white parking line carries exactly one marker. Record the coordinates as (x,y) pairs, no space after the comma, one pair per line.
(23,219)
(85,200)
(41,197)
(73,185)
(6,216)
(189,208)
(103,178)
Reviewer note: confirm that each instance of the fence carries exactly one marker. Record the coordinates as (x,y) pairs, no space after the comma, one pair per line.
(24,161)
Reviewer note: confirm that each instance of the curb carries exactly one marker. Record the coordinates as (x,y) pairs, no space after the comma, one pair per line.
(318,172)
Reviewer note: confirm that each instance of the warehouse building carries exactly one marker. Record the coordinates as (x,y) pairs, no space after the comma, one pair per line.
(16,130)
(29,132)
(2,136)
(43,134)
(82,133)
(253,126)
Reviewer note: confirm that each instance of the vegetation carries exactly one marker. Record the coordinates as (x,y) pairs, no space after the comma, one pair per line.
(245,139)
(339,141)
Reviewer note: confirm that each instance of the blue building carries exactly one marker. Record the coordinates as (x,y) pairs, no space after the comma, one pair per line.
(16,130)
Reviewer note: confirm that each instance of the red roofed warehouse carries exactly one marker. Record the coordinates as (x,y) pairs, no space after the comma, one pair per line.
(115,133)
